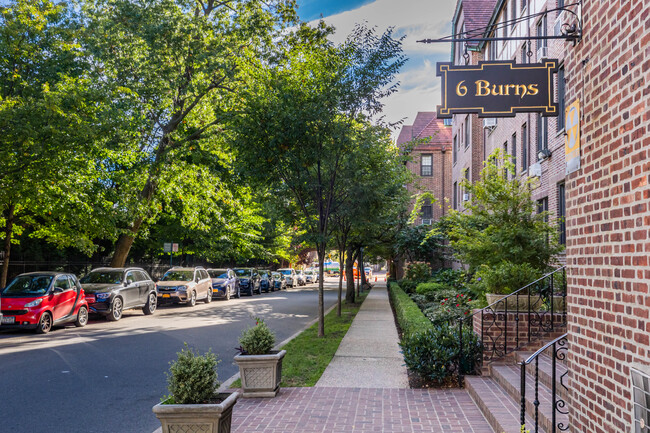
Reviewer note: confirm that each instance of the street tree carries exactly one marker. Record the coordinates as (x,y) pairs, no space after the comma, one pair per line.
(174,63)
(300,114)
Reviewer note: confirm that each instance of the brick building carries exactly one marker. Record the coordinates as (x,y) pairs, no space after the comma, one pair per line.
(431,162)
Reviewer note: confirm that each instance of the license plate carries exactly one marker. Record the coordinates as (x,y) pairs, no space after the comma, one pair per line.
(8,320)
(166,296)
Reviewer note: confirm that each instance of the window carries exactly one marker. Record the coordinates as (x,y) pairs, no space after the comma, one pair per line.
(560,99)
(505,22)
(560,3)
(513,13)
(455,148)
(505,158)
(62,283)
(468,131)
(493,48)
(524,54)
(426,165)
(542,206)
(455,199)
(524,3)
(524,146)
(561,212)
(542,133)
(513,146)
(541,43)
(427,210)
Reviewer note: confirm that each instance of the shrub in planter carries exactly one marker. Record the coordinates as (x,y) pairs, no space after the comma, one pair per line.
(418,272)
(257,340)
(192,378)
(434,353)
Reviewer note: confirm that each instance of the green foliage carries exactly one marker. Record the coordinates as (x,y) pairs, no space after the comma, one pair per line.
(451,306)
(418,272)
(192,378)
(449,277)
(505,278)
(433,353)
(258,340)
(425,288)
(409,316)
(408,286)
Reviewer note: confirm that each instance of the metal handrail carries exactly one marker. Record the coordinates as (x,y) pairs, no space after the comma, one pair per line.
(559,348)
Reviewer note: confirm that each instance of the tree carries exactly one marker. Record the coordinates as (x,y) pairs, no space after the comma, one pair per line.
(501,226)
(173,63)
(300,113)
(52,118)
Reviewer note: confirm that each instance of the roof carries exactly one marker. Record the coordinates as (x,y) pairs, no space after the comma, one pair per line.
(477,15)
(426,124)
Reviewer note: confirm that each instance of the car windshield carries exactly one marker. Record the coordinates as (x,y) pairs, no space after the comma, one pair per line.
(309,273)
(102,277)
(218,273)
(264,273)
(286,271)
(243,272)
(178,276)
(28,285)
(276,275)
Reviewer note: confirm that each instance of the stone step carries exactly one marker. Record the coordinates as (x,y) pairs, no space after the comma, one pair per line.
(508,377)
(545,372)
(499,409)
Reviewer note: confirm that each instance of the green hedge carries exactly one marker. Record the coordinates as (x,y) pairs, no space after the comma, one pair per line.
(409,316)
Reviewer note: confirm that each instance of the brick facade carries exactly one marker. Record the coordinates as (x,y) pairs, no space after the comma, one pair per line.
(608,217)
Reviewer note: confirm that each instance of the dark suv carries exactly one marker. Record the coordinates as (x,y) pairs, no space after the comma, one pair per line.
(266,281)
(249,280)
(110,291)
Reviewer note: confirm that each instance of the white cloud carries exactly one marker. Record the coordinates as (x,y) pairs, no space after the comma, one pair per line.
(415,19)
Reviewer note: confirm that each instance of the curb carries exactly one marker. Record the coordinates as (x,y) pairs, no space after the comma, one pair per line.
(226,384)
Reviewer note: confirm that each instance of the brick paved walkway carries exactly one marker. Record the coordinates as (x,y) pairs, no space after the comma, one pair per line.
(364,410)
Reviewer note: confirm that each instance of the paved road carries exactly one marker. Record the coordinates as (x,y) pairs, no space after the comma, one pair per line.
(107,376)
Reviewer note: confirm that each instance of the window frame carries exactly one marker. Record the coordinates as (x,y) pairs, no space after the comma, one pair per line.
(422,165)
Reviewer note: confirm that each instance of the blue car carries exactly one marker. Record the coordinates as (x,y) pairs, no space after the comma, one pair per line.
(225,283)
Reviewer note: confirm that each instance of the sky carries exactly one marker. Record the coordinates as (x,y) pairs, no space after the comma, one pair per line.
(416,19)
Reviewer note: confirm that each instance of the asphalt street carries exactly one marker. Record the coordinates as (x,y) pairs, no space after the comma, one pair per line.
(107,376)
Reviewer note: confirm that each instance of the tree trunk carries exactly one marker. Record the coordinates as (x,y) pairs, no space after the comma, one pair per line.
(9,229)
(123,245)
(321,303)
(341,260)
(349,276)
(362,269)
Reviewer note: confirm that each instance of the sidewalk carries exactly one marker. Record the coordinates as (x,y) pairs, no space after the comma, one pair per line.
(364,389)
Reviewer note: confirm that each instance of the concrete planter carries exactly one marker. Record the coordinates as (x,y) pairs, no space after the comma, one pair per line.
(203,418)
(521,304)
(260,374)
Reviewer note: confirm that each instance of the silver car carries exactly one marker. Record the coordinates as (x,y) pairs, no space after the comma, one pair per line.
(185,286)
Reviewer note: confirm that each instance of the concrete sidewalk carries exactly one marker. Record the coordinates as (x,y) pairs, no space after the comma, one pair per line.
(369,355)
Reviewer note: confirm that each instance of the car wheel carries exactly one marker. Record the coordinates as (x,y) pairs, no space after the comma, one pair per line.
(192,301)
(116,310)
(228,288)
(238,293)
(208,298)
(82,317)
(44,324)
(150,306)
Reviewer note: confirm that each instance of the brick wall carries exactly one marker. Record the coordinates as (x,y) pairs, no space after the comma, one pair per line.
(608,217)
(438,183)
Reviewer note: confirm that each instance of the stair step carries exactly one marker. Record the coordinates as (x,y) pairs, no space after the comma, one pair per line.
(509,378)
(545,372)
(499,409)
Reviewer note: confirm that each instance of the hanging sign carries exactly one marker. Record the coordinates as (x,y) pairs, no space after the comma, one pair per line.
(572,144)
(497,88)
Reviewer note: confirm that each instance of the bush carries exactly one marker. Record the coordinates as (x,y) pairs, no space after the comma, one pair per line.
(257,340)
(505,278)
(192,378)
(409,316)
(425,288)
(433,353)
(449,277)
(452,307)
(418,272)
(408,286)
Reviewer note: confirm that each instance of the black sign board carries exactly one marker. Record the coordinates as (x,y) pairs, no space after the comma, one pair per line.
(497,88)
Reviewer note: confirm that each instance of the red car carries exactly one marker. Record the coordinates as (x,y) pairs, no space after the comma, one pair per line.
(40,300)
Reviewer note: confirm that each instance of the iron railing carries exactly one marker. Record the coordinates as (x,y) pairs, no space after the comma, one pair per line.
(540,304)
(556,350)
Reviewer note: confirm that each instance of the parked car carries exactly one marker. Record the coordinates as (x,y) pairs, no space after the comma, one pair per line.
(249,280)
(368,271)
(266,283)
(290,276)
(300,277)
(110,291)
(40,300)
(224,283)
(311,276)
(185,286)
(279,282)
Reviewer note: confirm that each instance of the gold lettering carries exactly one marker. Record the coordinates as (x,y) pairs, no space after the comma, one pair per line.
(460,89)
(508,86)
(494,90)
(521,89)
(482,88)
(532,89)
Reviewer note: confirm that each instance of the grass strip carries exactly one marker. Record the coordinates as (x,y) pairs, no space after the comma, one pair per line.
(308,355)
(409,316)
